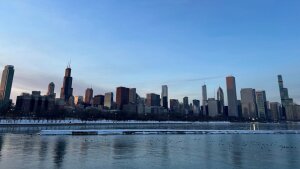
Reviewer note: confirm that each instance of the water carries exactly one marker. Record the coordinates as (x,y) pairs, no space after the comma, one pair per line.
(21,147)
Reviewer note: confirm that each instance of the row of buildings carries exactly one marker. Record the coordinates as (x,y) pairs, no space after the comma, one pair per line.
(253,104)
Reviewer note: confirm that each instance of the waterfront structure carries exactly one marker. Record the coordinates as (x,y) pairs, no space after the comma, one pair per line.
(213,105)
(261,101)
(248,102)
(164,97)
(220,98)
(153,99)
(122,97)
(78,100)
(132,96)
(88,96)
(196,107)
(6,84)
(174,105)
(204,99)
(34,103)
(67,90)
(108,100)
(98,100)
(51,88)
(232,97)
(186,103)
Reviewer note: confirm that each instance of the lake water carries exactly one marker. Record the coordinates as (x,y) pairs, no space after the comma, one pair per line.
(22,147)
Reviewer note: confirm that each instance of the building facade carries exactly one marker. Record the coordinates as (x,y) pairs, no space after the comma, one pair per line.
(232,97)
(261,101)
(6,84)
(122,97)
(164,97)
(67,90)
(248,102)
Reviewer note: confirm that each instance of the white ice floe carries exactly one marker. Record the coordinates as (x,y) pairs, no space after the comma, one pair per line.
(162,131)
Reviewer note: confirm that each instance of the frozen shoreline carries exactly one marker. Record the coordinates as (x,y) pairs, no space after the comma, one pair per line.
(162,131)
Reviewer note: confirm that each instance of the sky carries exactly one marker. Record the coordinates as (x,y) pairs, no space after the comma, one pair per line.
(149,43)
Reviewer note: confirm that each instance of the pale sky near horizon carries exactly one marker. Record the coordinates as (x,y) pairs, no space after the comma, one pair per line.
(149,43)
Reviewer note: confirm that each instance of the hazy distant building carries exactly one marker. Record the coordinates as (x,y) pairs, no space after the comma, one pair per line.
(248,102)
(132,96)
(51,88)
(108,100)
(67,90)
(261,101)
(174,105)
(78,100)
(152,100)
(232,98)
(6,84)
(212,107)
(122,97)
(88,96)
(164,97)
(186,103)
(196,107)
(204,99)
(274,113)
(98,100)
(220,98)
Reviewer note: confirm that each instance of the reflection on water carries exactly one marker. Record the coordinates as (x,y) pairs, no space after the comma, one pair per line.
(149,151)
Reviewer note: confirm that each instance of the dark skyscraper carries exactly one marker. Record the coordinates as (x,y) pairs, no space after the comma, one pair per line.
(132,95)
(232,98)
(153,100)
(164,96)
(186,103)
(88,96)
(284,94)
(220,98)
(6,83)
(122,97)
(67,90)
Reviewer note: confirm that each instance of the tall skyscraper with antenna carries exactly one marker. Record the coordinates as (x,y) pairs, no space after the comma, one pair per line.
(67,90)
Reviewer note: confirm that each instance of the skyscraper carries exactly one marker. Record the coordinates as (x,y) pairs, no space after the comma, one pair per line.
(132,96)
(186,103)
(232,98)
(204,99)
(51,88)
(122,97)
(88,96)
(164,96)
(248,102)
(67,90)
(284,94)
(108,100)
(212,107)
(174,105)
(220,98)
(196,106)
(261,101)
(98,100)
(153,100)
(6,83)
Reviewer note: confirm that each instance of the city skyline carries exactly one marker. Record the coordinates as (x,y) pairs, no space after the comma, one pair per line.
(148,45)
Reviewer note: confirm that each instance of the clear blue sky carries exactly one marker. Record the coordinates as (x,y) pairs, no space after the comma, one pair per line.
(148,43)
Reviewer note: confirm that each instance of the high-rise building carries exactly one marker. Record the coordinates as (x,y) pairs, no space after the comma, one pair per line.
(261,101)
(284,94)
(51,88)
(212,107)
(88,96)
(78,100)
(67,90)
(174,105)
(132,96)
(6,83)
(248,102)
(186,103)
(204,99)
(232,98)
(220,98)
(196,106)
(164,96)
(98,100)
(108,100)
(153,100)
(274,111)
(122,97)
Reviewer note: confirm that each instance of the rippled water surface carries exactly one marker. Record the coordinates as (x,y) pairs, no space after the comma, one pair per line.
(22,147)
